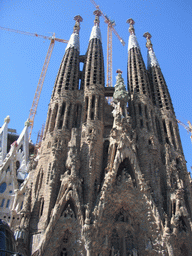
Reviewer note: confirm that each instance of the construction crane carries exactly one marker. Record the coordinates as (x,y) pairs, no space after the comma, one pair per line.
(33,109)
(39,138)
(188,128)
(110,29)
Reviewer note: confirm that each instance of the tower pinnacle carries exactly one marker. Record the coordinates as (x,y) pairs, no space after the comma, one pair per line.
(152,60)
(148,36)
(74,39)
(131,28)
(96,33)
(97,13)
(78,19)
(132,38)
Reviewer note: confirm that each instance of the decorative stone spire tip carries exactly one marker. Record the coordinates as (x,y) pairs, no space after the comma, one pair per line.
(28,123)
(78,19)
(119,71)
(148,36)
(151,59)
(132,38)
(131,28)
(97,13)
(96,33)
(7,119)
(74,39)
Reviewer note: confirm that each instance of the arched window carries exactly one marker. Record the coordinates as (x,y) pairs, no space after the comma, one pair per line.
(61,117)
(173,182)
(63,252)
(69,210)
(126,168)
(129,244)
(68,116)
(77,116)
(53,118)
(41,207)
(105,159)
(158,128)
(86,108)
(66,237)
(17,165)
(115,243)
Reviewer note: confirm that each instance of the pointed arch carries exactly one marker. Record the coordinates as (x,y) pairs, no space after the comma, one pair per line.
(129,242)
(126,167)
(115,243)
(69,210)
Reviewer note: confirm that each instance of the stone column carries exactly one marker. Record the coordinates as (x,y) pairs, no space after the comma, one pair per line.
(89,107)
(96,111)
(65,115)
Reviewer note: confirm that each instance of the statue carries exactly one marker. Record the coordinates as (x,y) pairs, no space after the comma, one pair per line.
(68,213)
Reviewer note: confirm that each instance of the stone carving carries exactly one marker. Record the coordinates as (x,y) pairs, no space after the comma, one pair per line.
(68,213)
(87,214)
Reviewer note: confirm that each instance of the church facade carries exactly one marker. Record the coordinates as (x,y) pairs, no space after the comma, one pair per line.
(110,179)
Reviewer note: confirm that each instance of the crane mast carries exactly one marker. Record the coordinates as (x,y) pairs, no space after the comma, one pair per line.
(33,109)
(188,128)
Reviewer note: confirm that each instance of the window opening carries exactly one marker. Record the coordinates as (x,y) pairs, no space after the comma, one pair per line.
(68,115)
(54,118)
(62,115)
(8,202)
(2,202)
(140,110)
(158,127)
(49,115)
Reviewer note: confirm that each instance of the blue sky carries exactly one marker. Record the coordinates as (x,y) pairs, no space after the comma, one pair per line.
(22,57)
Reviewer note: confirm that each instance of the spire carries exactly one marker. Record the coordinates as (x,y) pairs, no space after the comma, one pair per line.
(96,33)
(74,39)
(160,93)
(151,58)
(132,38)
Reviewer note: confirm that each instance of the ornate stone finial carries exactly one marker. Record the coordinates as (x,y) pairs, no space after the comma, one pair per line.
(7,119)
(120,93)
(148,36)
(131,28)
(78,19)
(119,71)
(27,123)
(97,13)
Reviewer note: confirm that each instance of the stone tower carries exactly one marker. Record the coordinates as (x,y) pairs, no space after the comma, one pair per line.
(92,126)
(110,179)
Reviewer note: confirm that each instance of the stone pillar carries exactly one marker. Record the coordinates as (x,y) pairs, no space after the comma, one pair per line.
(96,107)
